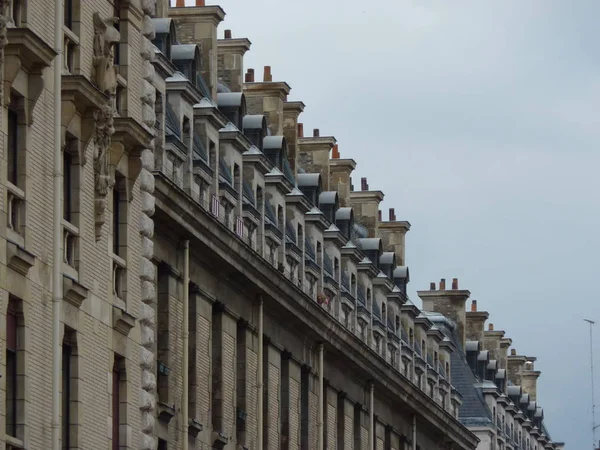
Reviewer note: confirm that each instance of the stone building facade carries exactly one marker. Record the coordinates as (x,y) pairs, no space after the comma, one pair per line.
(221,283)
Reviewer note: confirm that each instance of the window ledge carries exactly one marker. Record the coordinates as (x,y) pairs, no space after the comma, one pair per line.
(73,292)
(19,259)
(123,322)
(33,52)
(70,272)
(13,443)
(15,238)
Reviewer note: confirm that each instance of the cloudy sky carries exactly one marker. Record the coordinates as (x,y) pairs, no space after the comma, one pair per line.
(480,122)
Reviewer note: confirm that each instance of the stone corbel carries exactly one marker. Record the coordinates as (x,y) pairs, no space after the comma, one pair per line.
(73,292)
(165,412)
(219,440)
(123,322)
(194,427)
(18,258)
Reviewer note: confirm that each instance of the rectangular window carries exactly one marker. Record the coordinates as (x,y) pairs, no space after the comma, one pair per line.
(116,219)
(67,352)
(117,380)
(67,186)
(11,373)
(117,14)
(13,147)
(68,14)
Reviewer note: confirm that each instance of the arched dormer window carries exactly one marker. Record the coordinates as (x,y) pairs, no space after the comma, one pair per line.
(328,204)
(344,220)
(311,186)
(166,35)
(188,61)
(233,106)
(255,129)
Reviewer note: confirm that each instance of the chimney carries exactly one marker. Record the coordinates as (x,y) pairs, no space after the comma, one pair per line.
(366,206)
(379,216)
(340,180)
(432,286)
(268,98)
(363,184)
(314,155)
(198,25)
(515,367)
(393,236)
(451,304)
(335,154)
(291,131)
(443,284)
(454,284)
(300,130)
(474,305)
(493,342)
(180,4)
(231,62)
(513,352)
(267,77)
(529,378)
(504,345)
(475,324)
(491,327)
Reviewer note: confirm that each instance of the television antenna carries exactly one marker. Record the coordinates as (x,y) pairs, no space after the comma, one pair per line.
(594,426)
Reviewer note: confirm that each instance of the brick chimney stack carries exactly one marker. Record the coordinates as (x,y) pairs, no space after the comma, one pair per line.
(393,236)
(180,4)
(268,98)
(454,284)
(450,303)
(335,153)
(316,133)
(475,325)
(392,215)
(432,286)
(231,61)
(474,305)
(267,76)
(291,131)
(198,25)
(379,215)
(363,184)
(227,34)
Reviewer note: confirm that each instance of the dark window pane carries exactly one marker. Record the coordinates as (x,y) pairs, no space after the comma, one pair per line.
(13,146)
(115,409)
(11,393)
(67,186)
(66,396)
(116,219)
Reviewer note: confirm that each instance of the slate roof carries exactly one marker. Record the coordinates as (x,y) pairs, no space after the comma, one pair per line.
(474,410)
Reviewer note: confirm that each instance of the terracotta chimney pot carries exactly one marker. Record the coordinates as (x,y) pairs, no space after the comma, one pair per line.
(249,78)
(513,352)
(392,215)
(454,284)
(336,152)
(267,77)
(363,184)
(474,306)
(491,327)
(200,3)
(432,286)
(300,130)
(443,284)
(379,216)
(227,34)
(316,132)
(180,3)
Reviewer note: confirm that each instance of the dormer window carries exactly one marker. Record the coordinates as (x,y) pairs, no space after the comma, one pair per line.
(311,186)
(328,204)
(255,129)
(166,35)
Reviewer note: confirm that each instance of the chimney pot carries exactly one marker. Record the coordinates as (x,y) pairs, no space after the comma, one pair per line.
(513,352)
(363,184)
(267,74)
(227,34)
(379,216)
(200,3)
(392,215)
(300,130)
(474,306)
(432,286)
(249,78)
(180,3)
(491,327)
(455,283)
(316,132)
(336,152)
(443,284)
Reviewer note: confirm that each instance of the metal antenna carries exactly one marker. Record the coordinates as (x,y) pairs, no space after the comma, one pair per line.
(594,426)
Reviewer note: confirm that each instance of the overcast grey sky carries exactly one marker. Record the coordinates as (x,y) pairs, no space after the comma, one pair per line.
(480,122)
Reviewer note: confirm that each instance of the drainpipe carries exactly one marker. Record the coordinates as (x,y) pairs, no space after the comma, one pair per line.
(57,256)
(414,432)
(186,341)
(321,400)
(260,384)
(371,416)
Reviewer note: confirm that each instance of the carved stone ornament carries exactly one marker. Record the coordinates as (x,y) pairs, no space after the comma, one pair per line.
(106,36)
(102,174)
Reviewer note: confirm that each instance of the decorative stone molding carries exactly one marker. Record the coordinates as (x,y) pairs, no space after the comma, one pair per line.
(146,230)
(73,292)
(165,412)
(123,322)
(194,427)
(18,258)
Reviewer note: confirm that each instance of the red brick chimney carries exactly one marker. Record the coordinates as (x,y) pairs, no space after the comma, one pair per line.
(200,3)
(392,215)
(443,284)
(249,78)
(432,286)
(474,306)
(227,34)
(335,154)
(316,132)
(379,215)
(180,3)
(300,130)
(455,283)
(267,77)
(491,327)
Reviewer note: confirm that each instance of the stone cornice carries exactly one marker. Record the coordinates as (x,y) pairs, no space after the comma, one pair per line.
(238,46)
(207,14)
